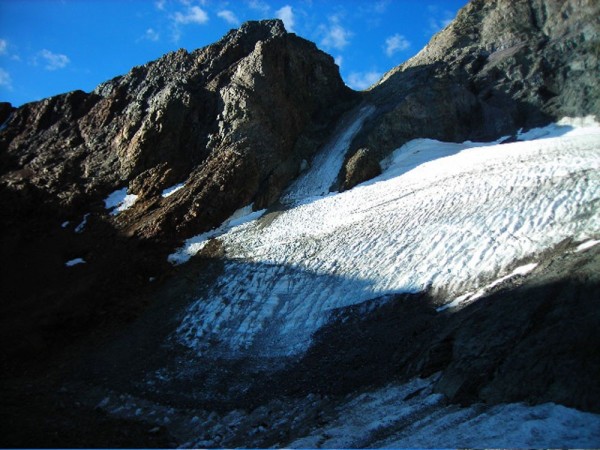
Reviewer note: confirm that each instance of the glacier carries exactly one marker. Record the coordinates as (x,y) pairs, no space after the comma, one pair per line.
(451,219)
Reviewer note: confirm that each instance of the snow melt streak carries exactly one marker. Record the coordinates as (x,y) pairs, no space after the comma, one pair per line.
(451,225)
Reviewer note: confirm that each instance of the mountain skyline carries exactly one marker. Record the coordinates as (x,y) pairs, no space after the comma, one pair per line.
(51,47)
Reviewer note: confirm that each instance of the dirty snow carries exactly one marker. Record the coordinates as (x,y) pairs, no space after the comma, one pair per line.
(74,262)
(447,218)
(171,190)
(119,201)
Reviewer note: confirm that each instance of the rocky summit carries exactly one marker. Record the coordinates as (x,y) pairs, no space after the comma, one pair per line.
(231,248)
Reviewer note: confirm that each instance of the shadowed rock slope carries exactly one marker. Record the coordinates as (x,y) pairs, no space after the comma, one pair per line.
(234,121)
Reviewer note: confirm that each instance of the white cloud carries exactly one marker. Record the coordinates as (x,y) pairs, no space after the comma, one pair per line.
(381,6)
(5,79)
(160,4)
(228,16)
(193,14)
(339,59)
(335,36)
(54,61)
(260,6)
(396,43)
(362,80)
(286,14)
(151,35)
(3,47)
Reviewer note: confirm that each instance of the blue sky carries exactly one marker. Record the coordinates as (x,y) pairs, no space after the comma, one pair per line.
(48,47)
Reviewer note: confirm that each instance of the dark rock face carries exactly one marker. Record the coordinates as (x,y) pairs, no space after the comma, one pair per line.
(500,66)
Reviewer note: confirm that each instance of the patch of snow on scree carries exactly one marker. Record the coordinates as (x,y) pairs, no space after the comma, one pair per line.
(391,417)
(119,201)
(449,225)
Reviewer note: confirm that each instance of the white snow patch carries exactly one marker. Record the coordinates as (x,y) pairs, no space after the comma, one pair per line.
(586,245)
(119,201)
(469,297)
(79,228)
(65,224)
(74,262)
(327,163)
(171,190)
(567,126)
(196,244)
(448,218)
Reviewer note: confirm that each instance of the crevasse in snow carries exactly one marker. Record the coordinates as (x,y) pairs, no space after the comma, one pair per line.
(448,218)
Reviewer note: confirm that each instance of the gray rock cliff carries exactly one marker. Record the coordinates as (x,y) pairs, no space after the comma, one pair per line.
(501,65)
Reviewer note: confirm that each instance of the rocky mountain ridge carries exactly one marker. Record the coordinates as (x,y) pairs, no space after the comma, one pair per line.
(498,67)
(89,295)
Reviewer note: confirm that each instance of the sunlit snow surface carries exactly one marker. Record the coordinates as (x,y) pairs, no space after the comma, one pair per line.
(448,218)
(171,190)
(119,201)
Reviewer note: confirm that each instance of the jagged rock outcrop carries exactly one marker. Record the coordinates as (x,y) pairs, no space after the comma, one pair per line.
(499,66)
(233,121)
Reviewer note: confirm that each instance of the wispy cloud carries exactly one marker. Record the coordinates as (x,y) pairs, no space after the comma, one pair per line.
(192,15)
(286,14)
(396,43)
(150,35)
(335,35)
(362,80)
(3,47)
(339,60)
(228,16)
(160,4)
(5,79)
(259,6)
(53,61)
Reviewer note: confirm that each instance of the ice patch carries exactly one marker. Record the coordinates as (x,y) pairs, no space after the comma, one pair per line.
(74,262)
(119,201)
(64,224)
(197,243)
(171,190)
(586,245)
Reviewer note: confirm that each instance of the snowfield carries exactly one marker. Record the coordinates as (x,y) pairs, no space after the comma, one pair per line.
(452,219)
